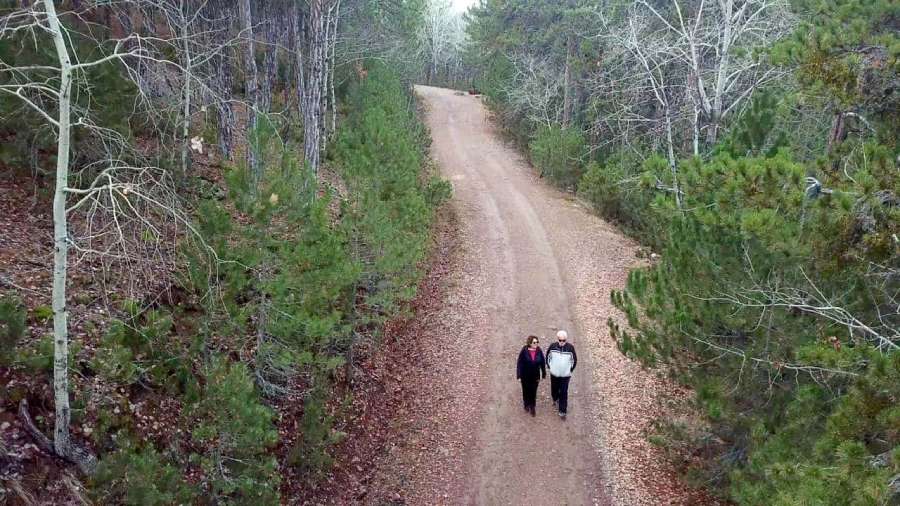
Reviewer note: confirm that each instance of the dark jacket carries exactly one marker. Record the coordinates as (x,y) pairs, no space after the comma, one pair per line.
(530,369)
(566,357)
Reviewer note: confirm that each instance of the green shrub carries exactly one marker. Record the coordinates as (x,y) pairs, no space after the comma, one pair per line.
(380,152)
(438,191)
(236,431)
(282,264)
(754,132)
(42,314)
(311,452)
(293,281)
(140,477)
(846,454)
(12,325)
(38,357)
(560,155)
(143,348)
(616,192)
(113,420)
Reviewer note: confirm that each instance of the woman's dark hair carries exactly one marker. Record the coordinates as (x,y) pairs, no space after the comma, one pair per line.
(531,338)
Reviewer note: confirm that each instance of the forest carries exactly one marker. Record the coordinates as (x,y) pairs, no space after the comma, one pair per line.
(214,212)
(751,145)
(210,209)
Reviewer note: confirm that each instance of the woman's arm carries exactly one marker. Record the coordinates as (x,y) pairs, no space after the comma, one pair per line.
(543,364)
(519,363)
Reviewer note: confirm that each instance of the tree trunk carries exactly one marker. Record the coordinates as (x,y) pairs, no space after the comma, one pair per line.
(224,111)
(314,86)
(252,87)
(220,13)
(186,93)
(696,129)
(326,74)
(722,74)
(331,64)
(838,132)
(671,153)
(62,442)
(567,84)
(270,64)
(298,35)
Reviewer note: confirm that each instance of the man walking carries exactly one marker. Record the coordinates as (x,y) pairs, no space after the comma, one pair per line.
(561,359)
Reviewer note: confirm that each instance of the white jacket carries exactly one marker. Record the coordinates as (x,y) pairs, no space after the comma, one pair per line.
(560,363)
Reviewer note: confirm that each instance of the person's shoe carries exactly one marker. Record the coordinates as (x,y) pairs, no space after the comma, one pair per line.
(532,411)
(562,415)
(555,403)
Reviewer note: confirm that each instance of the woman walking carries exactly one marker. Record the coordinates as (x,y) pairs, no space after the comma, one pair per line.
(529,370)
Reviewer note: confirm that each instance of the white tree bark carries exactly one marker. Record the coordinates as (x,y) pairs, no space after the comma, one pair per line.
(696,58)
(715,115)
(673,167)
(653,68)
(332,62)
(61,441)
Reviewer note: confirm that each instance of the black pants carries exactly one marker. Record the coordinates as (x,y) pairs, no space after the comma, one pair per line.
(529,391)
(559,391)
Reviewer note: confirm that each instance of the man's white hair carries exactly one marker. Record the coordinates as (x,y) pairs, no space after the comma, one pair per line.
(562,333)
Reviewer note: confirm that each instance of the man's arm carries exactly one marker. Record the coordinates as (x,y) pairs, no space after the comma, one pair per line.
(574,359)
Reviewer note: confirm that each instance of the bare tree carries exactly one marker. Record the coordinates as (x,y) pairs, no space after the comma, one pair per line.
(195,42)
(39,19)
(189,61)
(332,20)
(707,36)
(535,88)
(710,49)
(643,84)
(568,83)
(62,442)
(669,73)
(443,36)
(123,193)
(881,328)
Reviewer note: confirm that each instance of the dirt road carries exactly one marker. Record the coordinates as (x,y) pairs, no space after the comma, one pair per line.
(523,289)
(532,260)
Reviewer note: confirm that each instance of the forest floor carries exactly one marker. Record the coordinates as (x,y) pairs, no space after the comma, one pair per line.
(528,259)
